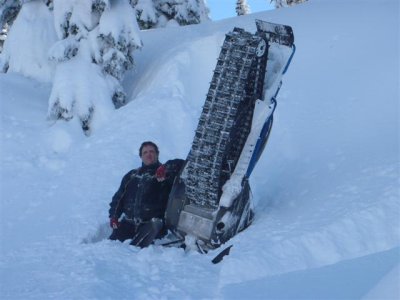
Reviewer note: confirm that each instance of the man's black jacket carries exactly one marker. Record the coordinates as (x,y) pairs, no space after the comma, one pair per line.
(141,196)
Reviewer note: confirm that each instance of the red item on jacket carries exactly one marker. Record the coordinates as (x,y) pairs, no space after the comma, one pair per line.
(161,173)
(114,224)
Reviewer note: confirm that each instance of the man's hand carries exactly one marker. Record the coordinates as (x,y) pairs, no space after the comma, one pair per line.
(161,173)
(114,224)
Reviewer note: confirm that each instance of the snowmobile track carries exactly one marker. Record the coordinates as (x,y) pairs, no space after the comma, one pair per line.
(226,117)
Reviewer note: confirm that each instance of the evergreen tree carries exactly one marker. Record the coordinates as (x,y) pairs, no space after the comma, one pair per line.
(159,13)
(97,41)
(283,3)
(294,2)
(242,8)
(84,47)
(8,11)
(187,12)
(3,36)
(147,15)
(28,39)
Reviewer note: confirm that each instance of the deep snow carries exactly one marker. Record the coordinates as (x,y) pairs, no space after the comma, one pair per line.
(326,188)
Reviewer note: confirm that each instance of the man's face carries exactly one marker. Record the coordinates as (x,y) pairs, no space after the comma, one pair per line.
(149,155)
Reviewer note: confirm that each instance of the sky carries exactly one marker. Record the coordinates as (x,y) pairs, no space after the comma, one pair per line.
(222,9)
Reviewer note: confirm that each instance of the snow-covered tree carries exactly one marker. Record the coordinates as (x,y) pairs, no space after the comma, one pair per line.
(283,3)
(8,11)
(3,36)
(242,8)
(84,47)
(187,12)
(147,15)
(160,13)
(97,41)
(28,40)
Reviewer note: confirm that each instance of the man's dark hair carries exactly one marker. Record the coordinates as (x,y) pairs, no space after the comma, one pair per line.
(148,143)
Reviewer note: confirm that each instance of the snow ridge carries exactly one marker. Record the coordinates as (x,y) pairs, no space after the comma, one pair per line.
(326,189)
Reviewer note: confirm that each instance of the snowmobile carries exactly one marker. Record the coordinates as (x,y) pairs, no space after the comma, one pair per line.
(210,201)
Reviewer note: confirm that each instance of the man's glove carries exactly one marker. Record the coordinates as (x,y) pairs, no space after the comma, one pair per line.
(161,173)
(114,224)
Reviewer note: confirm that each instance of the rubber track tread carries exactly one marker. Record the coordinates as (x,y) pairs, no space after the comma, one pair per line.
(226,118)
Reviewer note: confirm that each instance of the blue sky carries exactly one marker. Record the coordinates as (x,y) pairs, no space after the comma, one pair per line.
(221,9)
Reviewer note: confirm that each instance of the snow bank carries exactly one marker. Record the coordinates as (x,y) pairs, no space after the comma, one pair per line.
(326,188)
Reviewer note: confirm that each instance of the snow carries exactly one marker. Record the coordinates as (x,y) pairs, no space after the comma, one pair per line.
(147,11)
(60,11)
(115,21)
(95,50)
(36,34)
(326,189)
(75,97)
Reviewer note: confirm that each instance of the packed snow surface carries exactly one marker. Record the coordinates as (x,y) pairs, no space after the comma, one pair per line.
(326,189)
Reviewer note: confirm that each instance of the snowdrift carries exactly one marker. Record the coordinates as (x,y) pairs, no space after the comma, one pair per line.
(326,189)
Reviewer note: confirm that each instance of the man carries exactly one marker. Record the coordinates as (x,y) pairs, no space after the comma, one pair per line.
(142,198)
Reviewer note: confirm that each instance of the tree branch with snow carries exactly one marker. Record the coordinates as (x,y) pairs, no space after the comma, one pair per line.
(97,41)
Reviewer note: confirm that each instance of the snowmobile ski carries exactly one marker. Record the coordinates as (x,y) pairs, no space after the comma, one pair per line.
(221,255)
